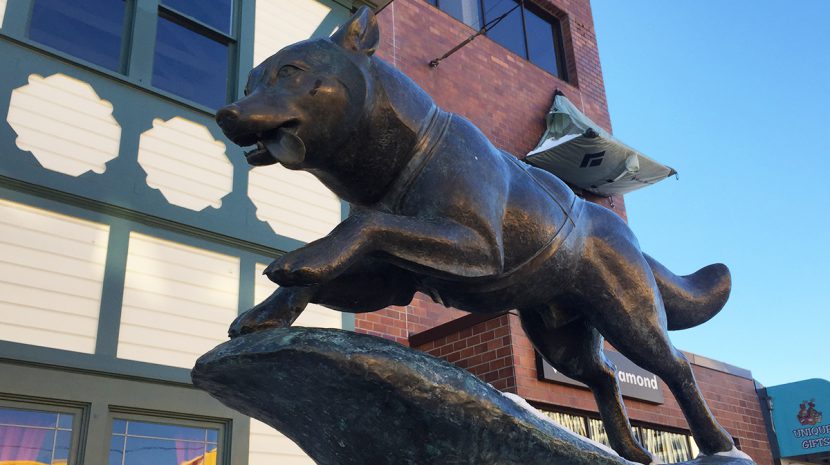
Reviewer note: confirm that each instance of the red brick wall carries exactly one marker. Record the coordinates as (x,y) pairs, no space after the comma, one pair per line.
(503,94)
(484,349)
(736,406)
(731,397)
(397,323)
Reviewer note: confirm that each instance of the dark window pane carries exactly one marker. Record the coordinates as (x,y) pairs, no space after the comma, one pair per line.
(466,11)
(541,45)
(215,13)
(190,65)
(212,436)
(87,29)
(508,32)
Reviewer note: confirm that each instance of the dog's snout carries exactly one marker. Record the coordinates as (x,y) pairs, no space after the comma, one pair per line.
(228,116)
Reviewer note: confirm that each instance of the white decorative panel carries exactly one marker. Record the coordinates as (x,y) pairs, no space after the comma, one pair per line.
(184,162)
(294,203)
(282,23)
(2,11)
(178,301)
(51,276)
(64,123)
(314,316)
(269,447)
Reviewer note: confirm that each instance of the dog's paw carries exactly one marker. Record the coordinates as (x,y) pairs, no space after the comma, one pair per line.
(298,268)
(287,274)
(277,311)
(251,322)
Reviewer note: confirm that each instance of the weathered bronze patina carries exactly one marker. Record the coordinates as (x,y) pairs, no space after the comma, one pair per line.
(437,208)
(353,399)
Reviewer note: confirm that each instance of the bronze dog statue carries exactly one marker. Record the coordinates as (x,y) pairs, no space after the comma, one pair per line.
(437,208)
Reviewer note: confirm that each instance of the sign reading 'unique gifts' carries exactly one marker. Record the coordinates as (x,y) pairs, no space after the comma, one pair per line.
(801,426)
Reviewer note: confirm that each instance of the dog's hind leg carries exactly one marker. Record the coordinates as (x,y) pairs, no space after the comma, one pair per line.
(575,349)
(623,302)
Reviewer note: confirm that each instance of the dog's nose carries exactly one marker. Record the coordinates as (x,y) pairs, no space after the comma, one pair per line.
(227,117)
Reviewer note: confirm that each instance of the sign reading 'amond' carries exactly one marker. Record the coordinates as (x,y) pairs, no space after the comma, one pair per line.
(634,381)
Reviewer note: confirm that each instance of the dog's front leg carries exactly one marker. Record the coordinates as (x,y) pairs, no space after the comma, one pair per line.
(324,259)
(279,310)
(441,245)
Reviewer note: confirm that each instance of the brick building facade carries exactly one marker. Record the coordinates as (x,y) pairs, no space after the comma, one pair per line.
(506,96)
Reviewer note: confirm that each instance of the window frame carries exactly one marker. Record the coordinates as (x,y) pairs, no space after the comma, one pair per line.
(554,21)
(98,395)
(636,426)
(139,43)
(147,61)
(80,420)
(558,37)
(171,418)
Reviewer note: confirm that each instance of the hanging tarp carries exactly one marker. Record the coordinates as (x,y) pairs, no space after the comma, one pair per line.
(581,153)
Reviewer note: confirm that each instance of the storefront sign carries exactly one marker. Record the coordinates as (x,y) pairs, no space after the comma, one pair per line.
(635,382)
(800,425)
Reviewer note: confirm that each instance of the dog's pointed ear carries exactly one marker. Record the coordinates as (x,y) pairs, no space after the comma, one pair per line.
(360,33)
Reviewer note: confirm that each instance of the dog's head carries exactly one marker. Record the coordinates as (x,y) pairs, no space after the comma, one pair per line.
(305,102)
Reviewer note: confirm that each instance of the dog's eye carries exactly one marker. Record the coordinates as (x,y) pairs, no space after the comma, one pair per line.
(288,71)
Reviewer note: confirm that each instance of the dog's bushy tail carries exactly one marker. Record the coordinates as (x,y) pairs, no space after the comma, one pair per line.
(692,299)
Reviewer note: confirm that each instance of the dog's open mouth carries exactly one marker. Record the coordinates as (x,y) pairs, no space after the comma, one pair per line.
(277,145)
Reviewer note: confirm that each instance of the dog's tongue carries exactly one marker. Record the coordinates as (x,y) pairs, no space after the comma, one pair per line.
(287,148)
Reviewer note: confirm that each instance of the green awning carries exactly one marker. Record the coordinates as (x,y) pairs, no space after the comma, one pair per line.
(581,153)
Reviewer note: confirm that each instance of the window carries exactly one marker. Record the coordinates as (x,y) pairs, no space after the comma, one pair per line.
(136,442)
(574,423)
(466,11)
(668,446)
(89,29)
(192,57)
(596,431)
(36,436)
(191,42)
(526,30)
(112,419)
(671,447)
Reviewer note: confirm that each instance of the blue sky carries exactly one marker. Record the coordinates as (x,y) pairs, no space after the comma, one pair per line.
(735,95)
